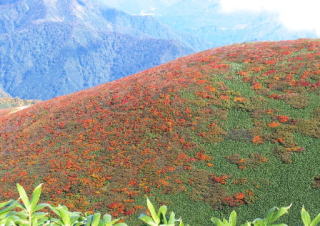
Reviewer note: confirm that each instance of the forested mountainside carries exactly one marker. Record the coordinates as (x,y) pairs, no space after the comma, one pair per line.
(52,48)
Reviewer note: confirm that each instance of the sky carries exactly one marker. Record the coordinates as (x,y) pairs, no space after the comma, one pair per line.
(294,14)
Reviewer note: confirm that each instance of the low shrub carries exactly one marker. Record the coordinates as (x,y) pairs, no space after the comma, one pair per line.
(29,212)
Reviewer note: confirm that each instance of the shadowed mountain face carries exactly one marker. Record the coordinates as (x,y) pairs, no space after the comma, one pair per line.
(52,48)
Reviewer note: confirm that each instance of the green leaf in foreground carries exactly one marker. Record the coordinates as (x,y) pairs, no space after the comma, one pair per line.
(306,218)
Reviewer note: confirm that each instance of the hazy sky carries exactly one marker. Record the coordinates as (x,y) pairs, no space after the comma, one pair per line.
(294,14)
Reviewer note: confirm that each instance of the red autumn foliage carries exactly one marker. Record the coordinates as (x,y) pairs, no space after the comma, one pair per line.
(283,118)
(239,196)
(220,179)
(203,157)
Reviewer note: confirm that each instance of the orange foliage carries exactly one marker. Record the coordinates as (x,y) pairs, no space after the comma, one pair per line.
(239,196)
(274,124)
(257,85)
(257,140)
(240,99)
(203,157)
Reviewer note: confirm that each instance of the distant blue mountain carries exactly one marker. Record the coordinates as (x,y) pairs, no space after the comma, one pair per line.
(54,47)
(202,20)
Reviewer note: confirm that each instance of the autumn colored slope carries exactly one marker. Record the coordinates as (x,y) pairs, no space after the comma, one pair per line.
(233,127)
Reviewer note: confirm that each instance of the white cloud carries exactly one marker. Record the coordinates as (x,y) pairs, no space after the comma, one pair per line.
(294,14)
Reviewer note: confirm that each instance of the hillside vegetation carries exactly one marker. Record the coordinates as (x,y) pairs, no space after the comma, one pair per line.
(236,127)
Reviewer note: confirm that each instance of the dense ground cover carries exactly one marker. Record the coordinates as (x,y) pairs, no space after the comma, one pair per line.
(236,127)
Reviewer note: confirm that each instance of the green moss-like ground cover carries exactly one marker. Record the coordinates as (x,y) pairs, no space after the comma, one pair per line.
(236,127)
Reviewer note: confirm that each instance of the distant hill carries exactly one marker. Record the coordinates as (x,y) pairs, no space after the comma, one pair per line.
(235,127)
(52,48)
(203,20)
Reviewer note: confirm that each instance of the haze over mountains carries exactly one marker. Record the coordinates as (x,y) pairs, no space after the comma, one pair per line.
(52,48)
(204,20)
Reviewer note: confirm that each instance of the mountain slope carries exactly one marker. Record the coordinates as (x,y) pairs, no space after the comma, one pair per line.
(236,126)
(72,45)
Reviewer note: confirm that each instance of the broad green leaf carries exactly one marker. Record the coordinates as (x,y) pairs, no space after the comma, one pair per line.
(21,214)
(65,215)
(279,225)
(9,219)
(55,210)
(233,218)
(88,220)
(74,216)
(148,220)
(260,223)
(41,206)
(275,213)
(153,212)
(96,219)
(316,220)
(8,206)
(35,197)
(217,221)
(181,223)
(39,218)
(162,213)
(121,224)
(24,197)
(107,217)
(305,216)
(21,222)
(172,218)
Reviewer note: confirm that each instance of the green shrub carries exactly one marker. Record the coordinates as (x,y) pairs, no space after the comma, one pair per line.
(28,212)
(24,212)
(160,218)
